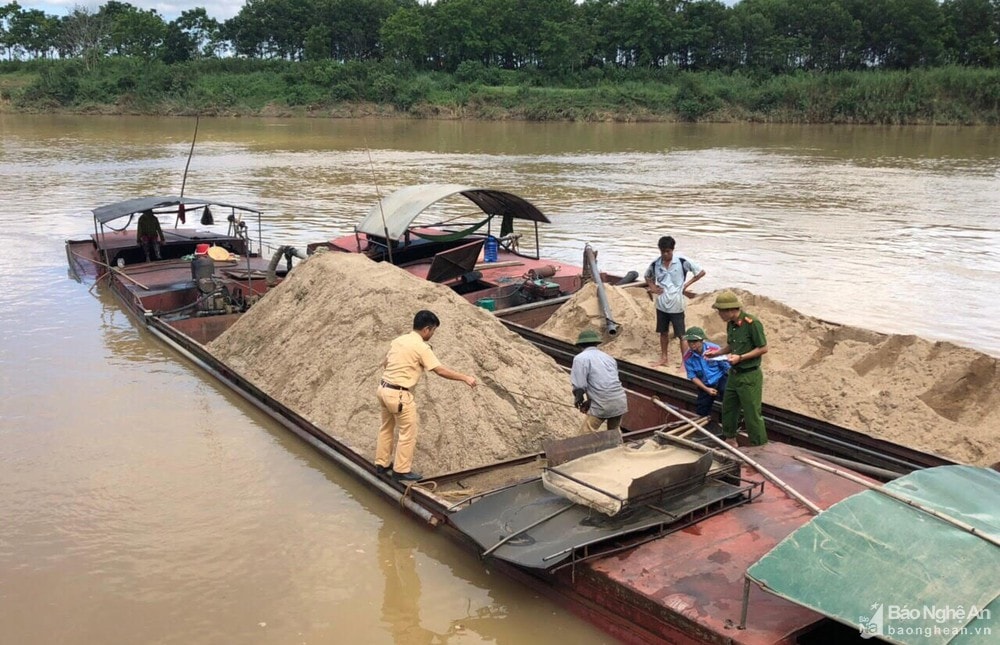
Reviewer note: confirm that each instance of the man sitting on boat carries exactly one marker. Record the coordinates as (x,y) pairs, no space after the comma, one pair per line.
(149,234)
(595,374)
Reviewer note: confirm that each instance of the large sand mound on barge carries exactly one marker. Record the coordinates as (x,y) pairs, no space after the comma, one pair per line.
(315,343)
(935,396)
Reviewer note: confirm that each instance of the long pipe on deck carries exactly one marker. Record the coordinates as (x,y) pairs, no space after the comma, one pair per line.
(791,492)
(590,259)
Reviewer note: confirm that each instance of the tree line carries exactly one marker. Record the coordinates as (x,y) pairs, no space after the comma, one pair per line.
(553,37)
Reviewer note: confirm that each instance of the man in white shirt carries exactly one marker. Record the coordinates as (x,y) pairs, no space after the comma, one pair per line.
(665,280)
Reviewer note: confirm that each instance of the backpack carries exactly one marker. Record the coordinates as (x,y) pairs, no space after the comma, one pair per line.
(685,267)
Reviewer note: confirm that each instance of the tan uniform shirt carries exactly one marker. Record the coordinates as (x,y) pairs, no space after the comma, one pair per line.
(408,357)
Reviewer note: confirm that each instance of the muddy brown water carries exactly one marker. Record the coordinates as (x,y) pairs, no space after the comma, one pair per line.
(140,502)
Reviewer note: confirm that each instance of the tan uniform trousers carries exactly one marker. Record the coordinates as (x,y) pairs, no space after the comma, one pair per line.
(592,423)
(398,412)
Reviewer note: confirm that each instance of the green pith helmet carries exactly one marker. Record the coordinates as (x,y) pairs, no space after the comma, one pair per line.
(727,300)
(588,337)
(695,333)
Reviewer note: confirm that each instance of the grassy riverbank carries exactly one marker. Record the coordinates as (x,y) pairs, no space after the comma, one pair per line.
(948,95)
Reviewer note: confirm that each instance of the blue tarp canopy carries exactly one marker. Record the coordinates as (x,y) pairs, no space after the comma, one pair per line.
(110,212)
(895,572)
(395,212)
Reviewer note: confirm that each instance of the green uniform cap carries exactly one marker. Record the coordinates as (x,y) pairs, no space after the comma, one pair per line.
(588,337)
(695,333)
(727,300)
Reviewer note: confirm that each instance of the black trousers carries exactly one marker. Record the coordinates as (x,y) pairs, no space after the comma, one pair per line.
(703,406)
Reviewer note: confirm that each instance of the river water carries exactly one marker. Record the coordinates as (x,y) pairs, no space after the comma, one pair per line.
(140,502)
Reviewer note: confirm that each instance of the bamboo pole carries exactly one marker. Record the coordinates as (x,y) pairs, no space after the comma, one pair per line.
(110,268)
(900,498)
(130,279)
(791,492)
(498,265)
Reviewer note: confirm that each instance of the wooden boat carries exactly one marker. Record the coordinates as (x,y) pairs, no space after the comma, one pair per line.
(668,565)
(237,276)
(428,231)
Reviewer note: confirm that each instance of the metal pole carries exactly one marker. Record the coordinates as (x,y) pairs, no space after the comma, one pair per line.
(602,298)
(527,528)
(187,165)
(791,492)
(746,603)
(905,500)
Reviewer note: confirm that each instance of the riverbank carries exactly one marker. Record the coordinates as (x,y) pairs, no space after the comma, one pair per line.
(939,96)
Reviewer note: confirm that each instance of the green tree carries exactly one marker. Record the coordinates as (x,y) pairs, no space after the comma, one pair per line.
(701,44)
(404,35)
(758,45)
(973,36)
(464,30)
(271,28)
(7,13)
(30,33)
(83,33)
(132,31)
(826,35)
(647,32)
(355,25)
(203,32)
(898,34)
(318,38)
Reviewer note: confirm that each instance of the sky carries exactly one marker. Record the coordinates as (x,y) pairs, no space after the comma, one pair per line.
(218,9)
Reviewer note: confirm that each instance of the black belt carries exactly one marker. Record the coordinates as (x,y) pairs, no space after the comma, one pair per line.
(748,369)
(393,386)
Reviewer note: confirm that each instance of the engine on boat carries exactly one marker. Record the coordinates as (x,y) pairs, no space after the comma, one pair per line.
(215,298)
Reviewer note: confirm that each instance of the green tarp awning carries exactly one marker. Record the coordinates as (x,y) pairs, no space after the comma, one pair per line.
(894,571)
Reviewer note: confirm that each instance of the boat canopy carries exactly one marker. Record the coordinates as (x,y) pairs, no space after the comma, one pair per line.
(395,212)
(110,212)
(896,572)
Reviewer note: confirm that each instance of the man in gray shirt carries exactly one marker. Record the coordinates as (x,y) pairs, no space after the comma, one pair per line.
(595,374)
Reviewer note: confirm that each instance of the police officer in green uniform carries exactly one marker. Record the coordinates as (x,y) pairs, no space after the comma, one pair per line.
(745,344)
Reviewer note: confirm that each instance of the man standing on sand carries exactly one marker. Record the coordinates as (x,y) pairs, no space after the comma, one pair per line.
(745,344)
(409,355)
(595,374)
(665,280)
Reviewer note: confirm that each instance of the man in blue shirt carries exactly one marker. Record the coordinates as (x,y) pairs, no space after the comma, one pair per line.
(708,374)
(667,282)
(595,374)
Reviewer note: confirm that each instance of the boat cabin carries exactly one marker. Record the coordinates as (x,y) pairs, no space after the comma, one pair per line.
(170,283)
(114,243)
(490,256)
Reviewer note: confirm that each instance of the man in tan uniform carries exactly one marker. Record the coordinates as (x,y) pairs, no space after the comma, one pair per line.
(408,356)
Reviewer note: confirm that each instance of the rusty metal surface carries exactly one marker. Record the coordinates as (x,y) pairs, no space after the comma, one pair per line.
(559,451)
(696,575)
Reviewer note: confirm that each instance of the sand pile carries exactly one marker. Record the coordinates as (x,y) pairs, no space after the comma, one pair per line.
(935,396)
(316,341)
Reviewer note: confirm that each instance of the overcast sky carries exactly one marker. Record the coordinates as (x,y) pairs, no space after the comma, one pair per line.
(218,9)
